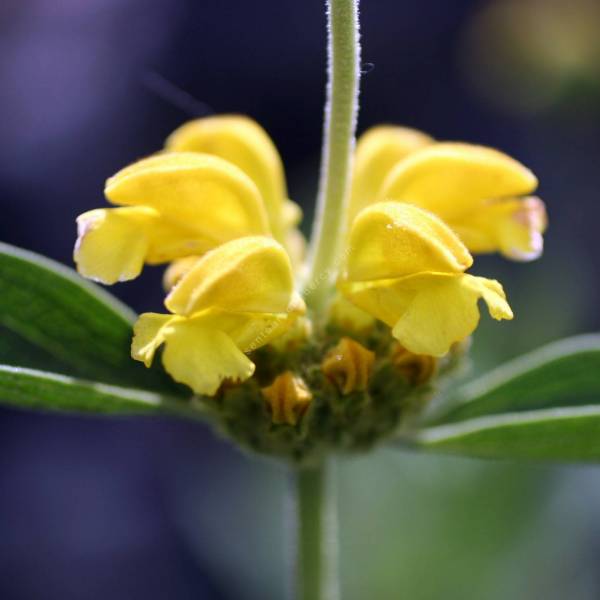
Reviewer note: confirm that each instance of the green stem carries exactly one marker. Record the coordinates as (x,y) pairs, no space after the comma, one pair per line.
(341,110)
(316,534)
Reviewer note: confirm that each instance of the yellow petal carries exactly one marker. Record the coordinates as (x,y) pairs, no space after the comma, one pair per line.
(149,333)
(430,312)
(203,193)
(379,150)
(251,274)
(112,244)
(384,300)
(452,179)
(251,331)
(492,293)
(444,311)
(247,145)
(391,239)
(195,352)
(203,357)
(513,227)
(170,241)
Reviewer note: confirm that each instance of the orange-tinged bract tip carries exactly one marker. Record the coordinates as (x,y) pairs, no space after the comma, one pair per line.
(349,366)
(288,398)
(416,368)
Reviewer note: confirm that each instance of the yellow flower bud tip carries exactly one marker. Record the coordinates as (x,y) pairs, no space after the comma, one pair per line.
(292,214)
(287,399)
(349,365)
(349,317)
(416,368)
(175,272)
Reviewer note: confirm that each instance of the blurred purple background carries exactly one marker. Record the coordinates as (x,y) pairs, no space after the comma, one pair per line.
(127,510)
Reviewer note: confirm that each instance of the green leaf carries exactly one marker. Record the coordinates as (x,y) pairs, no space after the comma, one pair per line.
(74,321)
(31,389)
(18,352)
(558,434)
(561,374)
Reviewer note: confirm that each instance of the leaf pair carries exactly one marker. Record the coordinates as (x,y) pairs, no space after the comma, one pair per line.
(545,405)
(52,318)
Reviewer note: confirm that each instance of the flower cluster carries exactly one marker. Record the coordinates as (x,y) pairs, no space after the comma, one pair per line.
(417,210)
(213,206)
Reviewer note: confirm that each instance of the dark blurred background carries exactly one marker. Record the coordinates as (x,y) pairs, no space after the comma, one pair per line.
(127,509)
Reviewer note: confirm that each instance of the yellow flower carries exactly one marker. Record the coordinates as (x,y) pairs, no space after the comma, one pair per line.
(221,178)
(213,205)
(174,205)
(244,143)
(235,299)
(481,198)
(407,268)
(481,193)
(378,151)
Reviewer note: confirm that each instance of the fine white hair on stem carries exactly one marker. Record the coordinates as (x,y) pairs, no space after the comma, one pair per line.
(341,111)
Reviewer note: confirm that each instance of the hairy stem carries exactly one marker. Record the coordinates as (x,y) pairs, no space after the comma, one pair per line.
(341,108)
(316,534)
